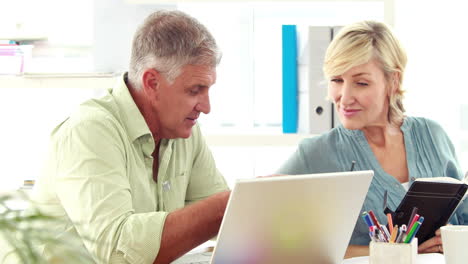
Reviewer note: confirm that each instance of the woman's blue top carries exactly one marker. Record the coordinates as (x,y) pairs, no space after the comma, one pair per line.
(429,153)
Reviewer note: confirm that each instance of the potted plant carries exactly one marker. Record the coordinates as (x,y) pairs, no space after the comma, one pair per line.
(22,231)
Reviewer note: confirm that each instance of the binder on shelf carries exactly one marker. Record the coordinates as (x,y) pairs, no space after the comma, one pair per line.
(290,83)
(12,58)
(320,109)
(335,30)
(335,120)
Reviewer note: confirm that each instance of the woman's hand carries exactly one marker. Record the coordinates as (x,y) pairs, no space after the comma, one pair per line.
(433,245)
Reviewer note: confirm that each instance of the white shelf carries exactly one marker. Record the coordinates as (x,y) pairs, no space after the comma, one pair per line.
(51,80)
(251,138)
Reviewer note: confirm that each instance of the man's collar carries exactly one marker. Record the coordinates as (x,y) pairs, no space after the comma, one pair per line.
(131,116)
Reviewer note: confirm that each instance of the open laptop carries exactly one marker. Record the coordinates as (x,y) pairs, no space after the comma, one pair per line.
(289,219)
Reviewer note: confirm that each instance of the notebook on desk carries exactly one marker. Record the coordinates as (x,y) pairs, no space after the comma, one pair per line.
(435,198)
(290,219)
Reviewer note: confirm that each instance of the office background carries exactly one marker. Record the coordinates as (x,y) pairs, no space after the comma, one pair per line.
(80,45)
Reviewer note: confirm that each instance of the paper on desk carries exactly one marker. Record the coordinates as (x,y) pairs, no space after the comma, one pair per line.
(430,258)
(357,260)
(203,247)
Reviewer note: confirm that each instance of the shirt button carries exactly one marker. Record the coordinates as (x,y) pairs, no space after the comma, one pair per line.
(413,178)
(166,186)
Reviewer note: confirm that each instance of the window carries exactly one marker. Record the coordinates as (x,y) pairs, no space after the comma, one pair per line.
(437,56)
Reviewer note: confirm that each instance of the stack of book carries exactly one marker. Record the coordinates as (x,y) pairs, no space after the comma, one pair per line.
(13,57)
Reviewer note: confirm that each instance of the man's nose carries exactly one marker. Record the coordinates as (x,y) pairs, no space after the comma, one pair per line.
(204,105)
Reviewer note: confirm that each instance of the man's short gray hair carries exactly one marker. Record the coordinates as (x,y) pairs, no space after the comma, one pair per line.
(167,41)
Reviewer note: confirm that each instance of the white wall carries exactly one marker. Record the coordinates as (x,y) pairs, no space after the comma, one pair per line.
(28,115)
(434,35)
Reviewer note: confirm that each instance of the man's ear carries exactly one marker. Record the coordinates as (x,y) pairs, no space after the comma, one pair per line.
(151,81)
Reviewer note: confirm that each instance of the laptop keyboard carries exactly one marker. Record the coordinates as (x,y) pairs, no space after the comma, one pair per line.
(197,258)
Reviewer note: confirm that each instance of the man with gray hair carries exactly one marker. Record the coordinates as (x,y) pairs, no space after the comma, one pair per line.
(131,172)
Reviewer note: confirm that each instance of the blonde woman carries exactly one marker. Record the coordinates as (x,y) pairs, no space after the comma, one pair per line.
(364,66)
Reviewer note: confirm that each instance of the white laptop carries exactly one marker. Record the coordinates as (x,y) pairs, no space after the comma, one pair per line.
(290,219)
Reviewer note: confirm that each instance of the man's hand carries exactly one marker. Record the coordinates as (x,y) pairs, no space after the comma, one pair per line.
(190,226)
(433,245)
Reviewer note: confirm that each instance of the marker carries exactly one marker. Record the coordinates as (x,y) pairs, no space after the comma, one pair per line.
(387,234)
(390,222)
(410,235)
(413,213)
(415,218)
(401,234)
(375,233)
(414,230)
(394,234)
(372,237)
(376,222)
(367,219)
(379,235)
(374,219)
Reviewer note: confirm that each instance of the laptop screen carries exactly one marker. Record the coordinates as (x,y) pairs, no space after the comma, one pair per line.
(291,219)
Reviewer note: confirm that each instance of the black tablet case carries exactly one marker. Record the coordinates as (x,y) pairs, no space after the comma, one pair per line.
(435,201)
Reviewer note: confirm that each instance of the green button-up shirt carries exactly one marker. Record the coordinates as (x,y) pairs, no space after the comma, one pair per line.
(99,175)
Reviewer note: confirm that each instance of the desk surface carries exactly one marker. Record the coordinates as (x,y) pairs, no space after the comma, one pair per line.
(432,258)
(197,256)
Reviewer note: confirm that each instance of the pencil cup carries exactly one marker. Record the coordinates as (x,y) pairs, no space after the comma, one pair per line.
(393,253)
